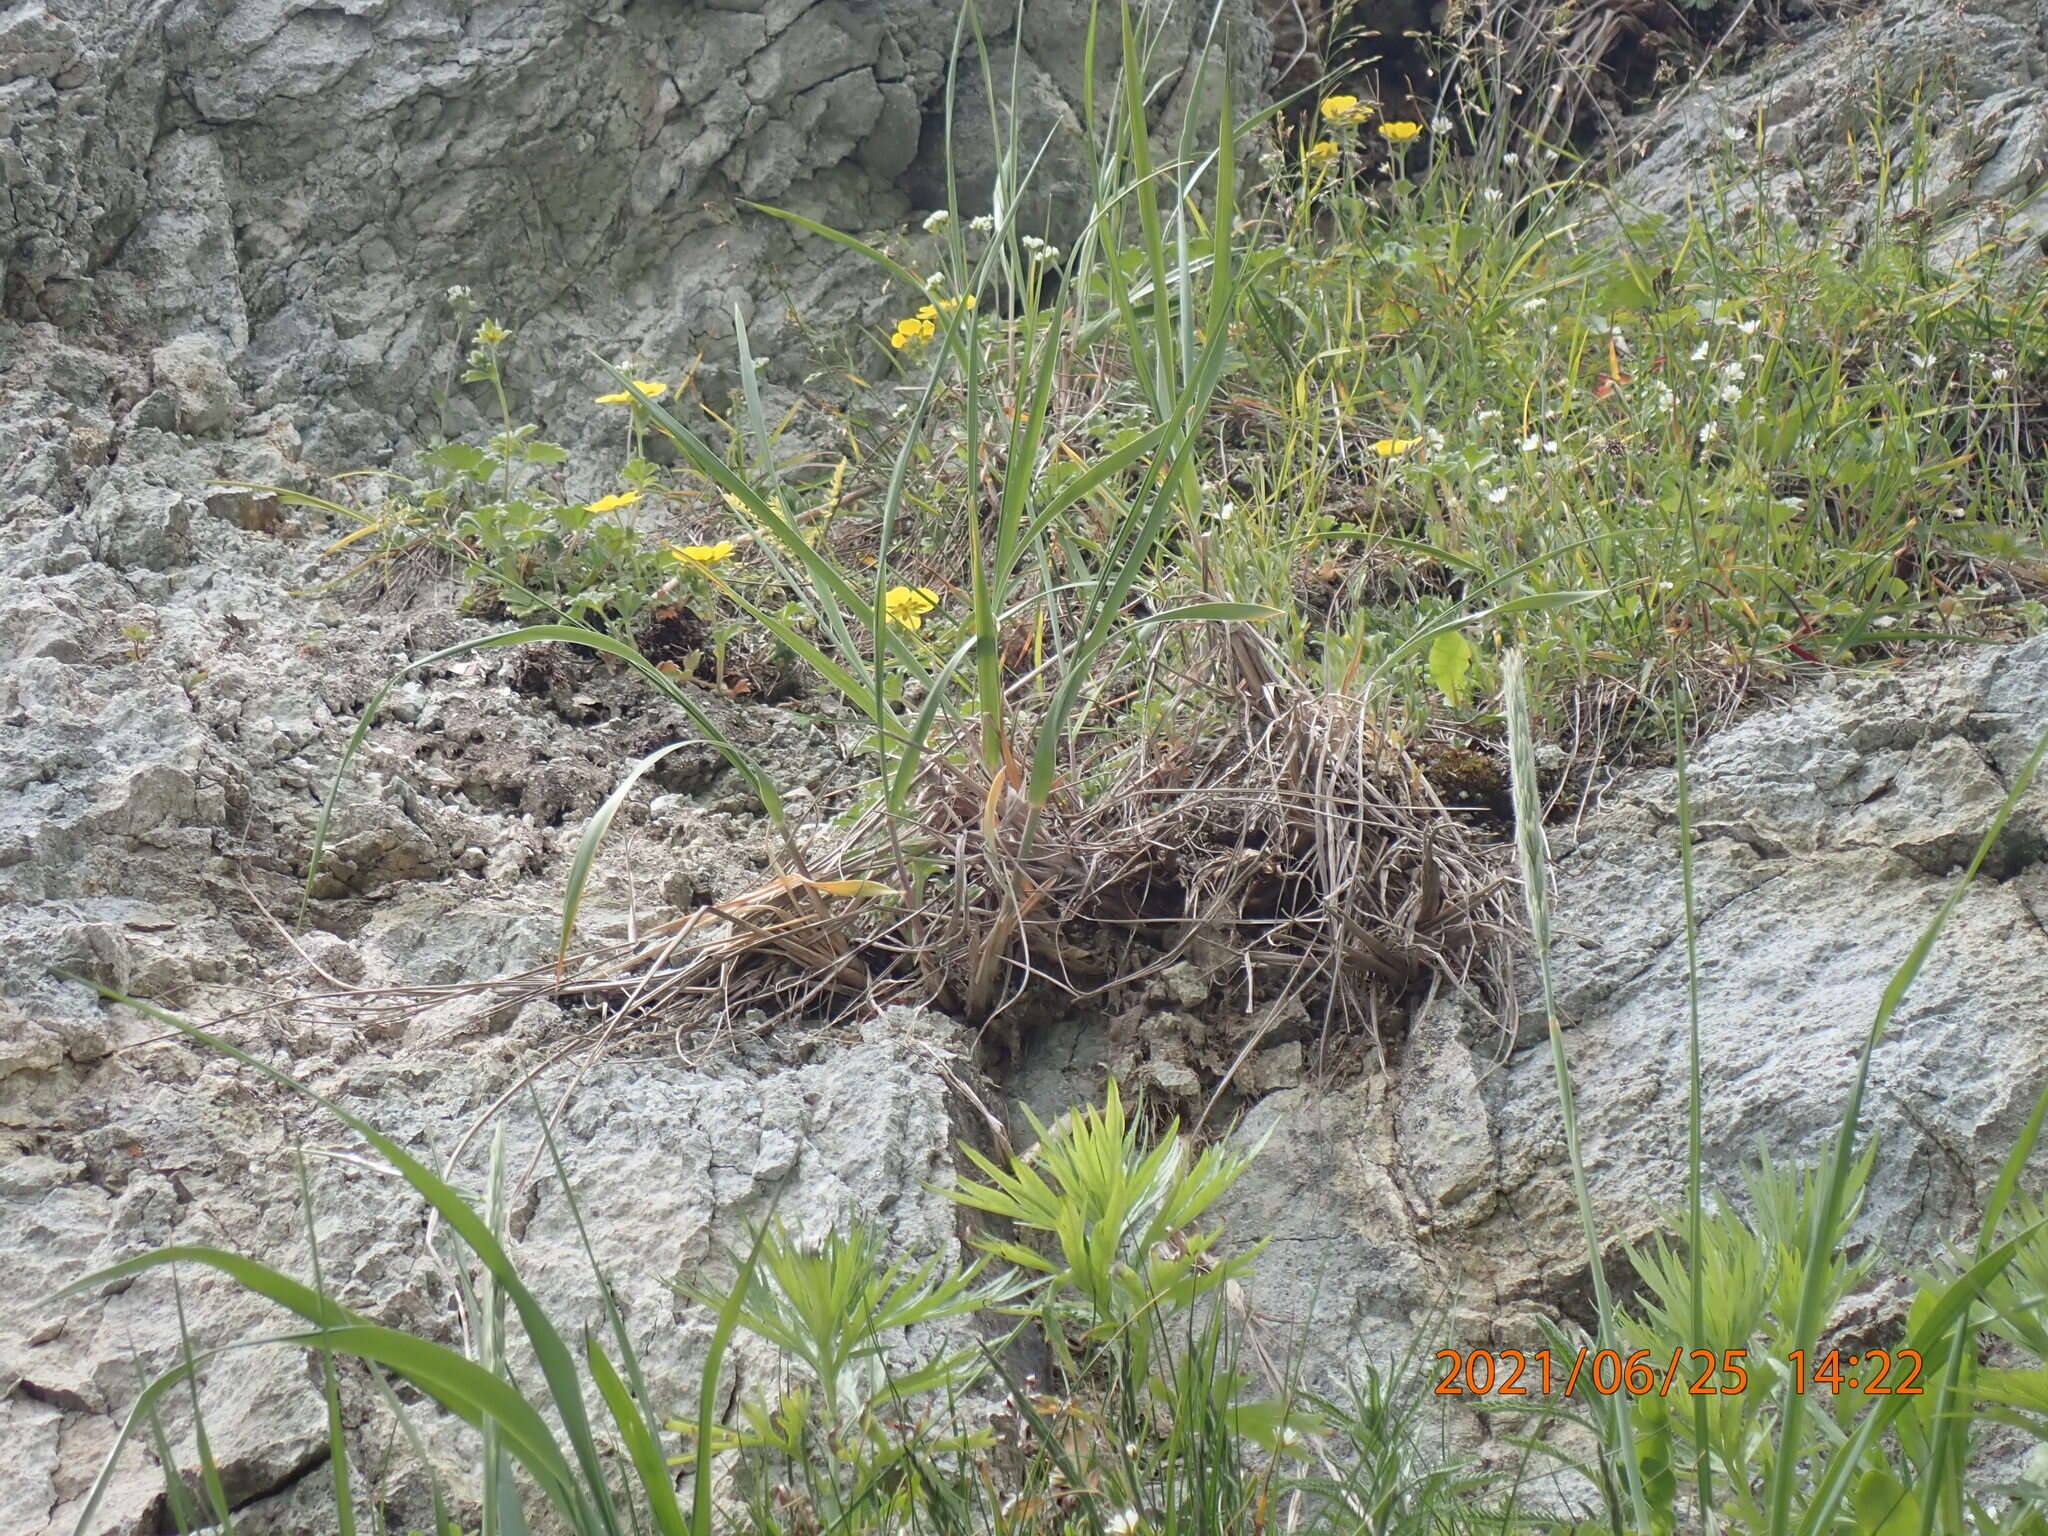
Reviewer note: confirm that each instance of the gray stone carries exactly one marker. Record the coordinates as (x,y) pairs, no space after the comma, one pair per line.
(194,370)
(584,168)
(1830,830)
(1836,106)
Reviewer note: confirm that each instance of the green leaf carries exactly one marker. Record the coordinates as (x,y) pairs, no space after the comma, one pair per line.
(1450,664)
(1883,1505)
(461,459)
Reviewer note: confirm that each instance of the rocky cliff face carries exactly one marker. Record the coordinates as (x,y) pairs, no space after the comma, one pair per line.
(299,184)
(227,226)
(1922,111)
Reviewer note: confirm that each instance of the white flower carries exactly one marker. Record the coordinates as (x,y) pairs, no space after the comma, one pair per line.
(1922,360)
(1511,158)
(1885,621)
(1732,369)
(1735,133)
(1530,306)
(1665,397)
(936,280)
(1226,512)
(1493,194)
(1531,443)
(1497,495)
(1730,393)
(459,294)
(1699,353)
(1487,415)
(982,223)
(1439,124)
(1709,432)
(1748,327)
(1792,503)
(937,220)
(1121,1524)
(2000,375)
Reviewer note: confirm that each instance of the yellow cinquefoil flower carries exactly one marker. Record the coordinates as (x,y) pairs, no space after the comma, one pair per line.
(653,389)
(914,330)
(1399,133)
(613,502)
(1317,153)
(1345,110)
(907,606)
(1389,447)
(702,555)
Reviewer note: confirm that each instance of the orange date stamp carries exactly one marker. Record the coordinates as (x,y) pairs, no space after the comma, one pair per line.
(1695,1373)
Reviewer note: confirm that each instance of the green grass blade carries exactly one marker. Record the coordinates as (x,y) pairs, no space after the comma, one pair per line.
(593,836)
(639,1438)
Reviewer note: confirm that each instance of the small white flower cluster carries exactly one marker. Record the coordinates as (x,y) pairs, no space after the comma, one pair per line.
(982,223)
(1536,442)
(1040,250)
(936,221)
(459,296)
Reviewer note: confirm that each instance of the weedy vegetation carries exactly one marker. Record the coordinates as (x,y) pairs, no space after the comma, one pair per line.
(1237,581)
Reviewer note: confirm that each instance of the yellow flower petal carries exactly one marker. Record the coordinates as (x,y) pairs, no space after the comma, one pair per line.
(1388,447)
(1326,149)
(907,606)
(1399,133)
(654,389)
(613,502)
(1345,109)
(704,554)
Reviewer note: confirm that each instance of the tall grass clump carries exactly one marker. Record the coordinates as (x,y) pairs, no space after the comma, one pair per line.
(1072,721)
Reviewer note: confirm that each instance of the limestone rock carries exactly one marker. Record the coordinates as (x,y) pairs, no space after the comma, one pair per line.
(1830,112)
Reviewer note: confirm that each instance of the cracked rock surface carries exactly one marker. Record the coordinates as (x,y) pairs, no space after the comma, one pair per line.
(1829,831)
(283,190)
(1821,129)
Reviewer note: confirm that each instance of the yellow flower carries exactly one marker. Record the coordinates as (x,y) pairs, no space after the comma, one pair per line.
(1399,133)
(1388,447)
(703,555)
(653,389)
(1345,109)
(1325,149)
(490,333)
(614,502)
(915,329)
(908,605)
